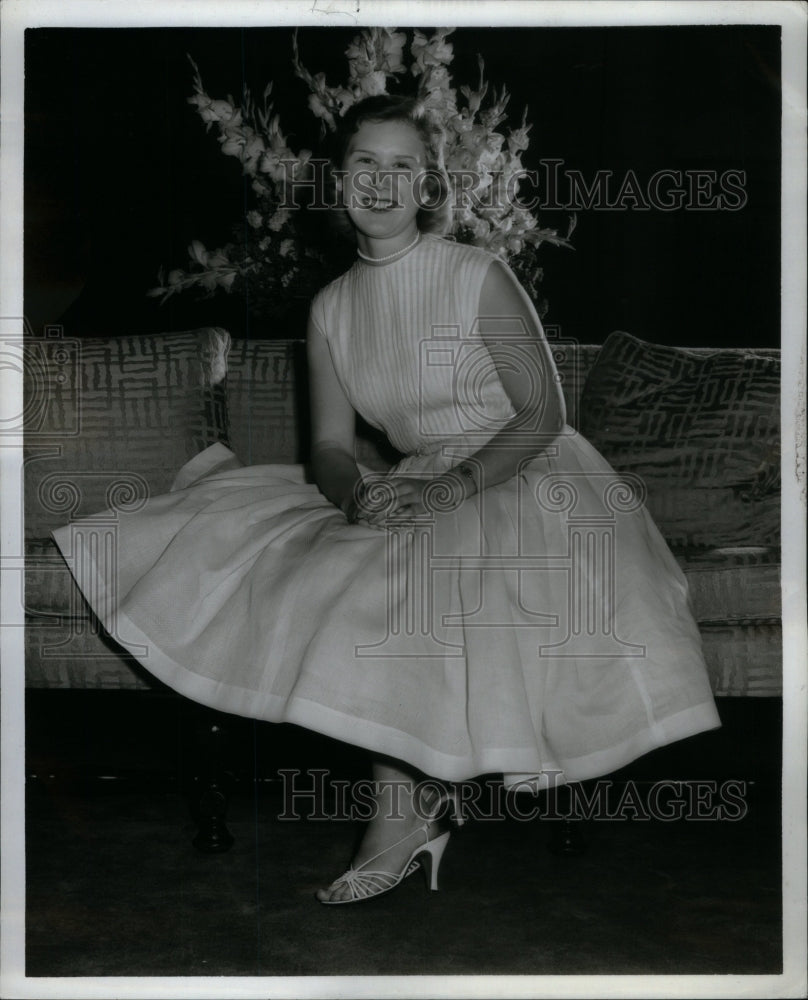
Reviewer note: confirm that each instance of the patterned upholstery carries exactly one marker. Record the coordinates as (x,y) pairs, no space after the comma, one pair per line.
(266,400)
(107,422)
(744,660)
(737,603)
(573,362)
(701,428)
(735,589)
(741,586)
(66,654)
(110,420)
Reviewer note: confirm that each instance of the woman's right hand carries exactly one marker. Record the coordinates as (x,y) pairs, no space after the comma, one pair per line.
(351,509)
(376,500)
(355,507)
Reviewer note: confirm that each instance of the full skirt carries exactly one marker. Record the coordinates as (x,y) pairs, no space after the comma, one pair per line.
(542,630)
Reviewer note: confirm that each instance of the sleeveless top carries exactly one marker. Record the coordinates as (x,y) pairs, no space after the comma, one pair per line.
(405,342)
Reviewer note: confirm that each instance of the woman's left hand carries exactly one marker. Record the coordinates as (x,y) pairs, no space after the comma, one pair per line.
(406,496)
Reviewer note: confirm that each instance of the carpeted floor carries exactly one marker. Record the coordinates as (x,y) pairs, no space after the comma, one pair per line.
(115,888)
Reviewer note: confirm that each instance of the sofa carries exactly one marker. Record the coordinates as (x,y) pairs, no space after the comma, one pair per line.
(108,422)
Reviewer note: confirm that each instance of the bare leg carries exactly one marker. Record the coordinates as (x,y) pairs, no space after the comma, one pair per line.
(397,816)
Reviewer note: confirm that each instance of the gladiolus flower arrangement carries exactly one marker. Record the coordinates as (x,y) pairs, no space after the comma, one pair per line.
(273,258)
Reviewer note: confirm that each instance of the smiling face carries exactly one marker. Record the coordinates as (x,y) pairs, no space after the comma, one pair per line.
(384,164)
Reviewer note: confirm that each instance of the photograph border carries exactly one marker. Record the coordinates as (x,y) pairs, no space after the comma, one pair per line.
(15,16)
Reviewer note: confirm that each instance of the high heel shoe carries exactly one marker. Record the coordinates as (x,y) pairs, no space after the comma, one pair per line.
(456,814)
(447,807)
(366,883)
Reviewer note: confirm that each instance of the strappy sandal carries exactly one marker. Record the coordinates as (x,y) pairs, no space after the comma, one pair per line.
(366,883)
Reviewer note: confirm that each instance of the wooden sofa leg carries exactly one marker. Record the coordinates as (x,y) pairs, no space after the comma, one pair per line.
(210,791)
(566,837)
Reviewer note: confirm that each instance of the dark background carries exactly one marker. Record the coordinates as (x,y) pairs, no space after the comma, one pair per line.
(120,174)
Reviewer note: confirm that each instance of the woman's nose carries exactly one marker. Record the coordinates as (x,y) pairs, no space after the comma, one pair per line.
(383,181)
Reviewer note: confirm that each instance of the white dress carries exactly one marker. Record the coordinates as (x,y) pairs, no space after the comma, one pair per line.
(541,629)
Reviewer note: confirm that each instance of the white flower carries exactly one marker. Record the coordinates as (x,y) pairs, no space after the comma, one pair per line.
(318,108)
(198,253)
(480,229)
(218,259)
(393,49)
(432,51)
(372,84)
(286,248)
(255,219)
(275,163)
(474,98)
(252,152)
(233,141)
(279,219)
(518,139)
(222,112)
(375,50)
(361,55)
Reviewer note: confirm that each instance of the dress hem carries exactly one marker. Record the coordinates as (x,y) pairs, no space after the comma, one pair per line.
(518,765)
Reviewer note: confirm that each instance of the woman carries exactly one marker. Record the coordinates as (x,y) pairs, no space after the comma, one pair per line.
(452,616)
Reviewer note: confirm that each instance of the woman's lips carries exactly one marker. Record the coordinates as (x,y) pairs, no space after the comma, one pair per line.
(379,206)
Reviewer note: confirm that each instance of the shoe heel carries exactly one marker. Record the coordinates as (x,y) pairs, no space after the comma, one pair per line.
(434,851)
(456,816)
(448,806)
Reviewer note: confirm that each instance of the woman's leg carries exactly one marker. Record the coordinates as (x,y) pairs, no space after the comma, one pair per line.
(403,800)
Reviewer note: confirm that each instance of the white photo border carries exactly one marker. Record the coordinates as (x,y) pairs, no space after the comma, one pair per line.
(15,16)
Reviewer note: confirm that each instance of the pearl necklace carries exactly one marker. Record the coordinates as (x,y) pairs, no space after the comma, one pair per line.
(390,256)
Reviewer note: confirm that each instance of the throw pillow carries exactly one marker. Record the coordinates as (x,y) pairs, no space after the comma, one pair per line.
(701,428)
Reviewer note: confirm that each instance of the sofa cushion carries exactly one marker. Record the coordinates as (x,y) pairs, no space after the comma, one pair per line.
(266,403)
(78,654)
(573,363)
(112,420)
(701,428)
(268,407)
(744,660)
(738,586)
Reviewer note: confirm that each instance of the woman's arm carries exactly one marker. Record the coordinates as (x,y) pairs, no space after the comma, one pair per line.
(507,316)
(333,424)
